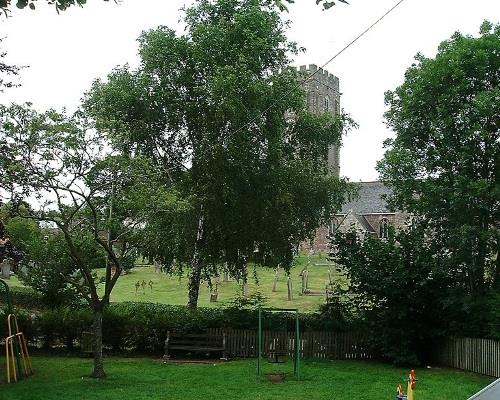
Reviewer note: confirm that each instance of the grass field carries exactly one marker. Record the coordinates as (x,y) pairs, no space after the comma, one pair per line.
(173,289)
(138,379)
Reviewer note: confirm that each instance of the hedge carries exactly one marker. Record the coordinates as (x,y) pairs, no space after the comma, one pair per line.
(23,297)
(142,327)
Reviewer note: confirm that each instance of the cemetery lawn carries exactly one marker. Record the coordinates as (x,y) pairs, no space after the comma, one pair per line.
(169,289)
(148,379)
(173,289)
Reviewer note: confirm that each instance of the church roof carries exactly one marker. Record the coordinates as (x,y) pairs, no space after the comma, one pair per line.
(369,199)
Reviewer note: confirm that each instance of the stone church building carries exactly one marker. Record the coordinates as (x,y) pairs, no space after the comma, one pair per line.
(368,213)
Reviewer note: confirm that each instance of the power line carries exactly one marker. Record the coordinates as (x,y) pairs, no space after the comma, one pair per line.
(390,10)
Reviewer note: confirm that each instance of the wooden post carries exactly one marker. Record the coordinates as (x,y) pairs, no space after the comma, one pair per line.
(289,285)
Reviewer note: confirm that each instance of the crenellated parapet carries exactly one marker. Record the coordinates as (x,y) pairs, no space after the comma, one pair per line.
(321,75)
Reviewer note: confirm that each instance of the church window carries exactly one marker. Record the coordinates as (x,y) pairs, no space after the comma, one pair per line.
(332,227)
(384,229)
(326,104)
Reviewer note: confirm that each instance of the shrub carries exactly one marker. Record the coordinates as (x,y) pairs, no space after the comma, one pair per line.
(142,327)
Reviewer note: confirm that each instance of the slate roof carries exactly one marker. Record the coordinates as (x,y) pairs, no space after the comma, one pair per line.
(369,200)
(491,392)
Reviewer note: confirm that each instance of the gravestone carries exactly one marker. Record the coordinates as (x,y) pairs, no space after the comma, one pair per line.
(275,282)
(5,269)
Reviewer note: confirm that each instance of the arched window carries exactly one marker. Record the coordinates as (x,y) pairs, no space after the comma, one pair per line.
(332,227)
(384,229)
(326,104)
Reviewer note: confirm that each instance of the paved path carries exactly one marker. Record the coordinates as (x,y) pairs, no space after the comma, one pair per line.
(491,392)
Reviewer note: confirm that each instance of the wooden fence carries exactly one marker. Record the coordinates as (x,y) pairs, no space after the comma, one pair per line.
(322,345)
(470,354)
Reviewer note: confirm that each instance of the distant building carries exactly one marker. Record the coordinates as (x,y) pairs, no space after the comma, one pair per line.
(368,214)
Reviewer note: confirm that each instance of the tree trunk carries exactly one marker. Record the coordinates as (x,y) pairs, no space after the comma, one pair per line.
(195,278)
(97,346)
(194,282)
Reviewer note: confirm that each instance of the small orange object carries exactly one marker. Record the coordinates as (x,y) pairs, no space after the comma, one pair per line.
(412,380)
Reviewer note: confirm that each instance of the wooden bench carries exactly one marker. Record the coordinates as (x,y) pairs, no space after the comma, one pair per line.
(195,343)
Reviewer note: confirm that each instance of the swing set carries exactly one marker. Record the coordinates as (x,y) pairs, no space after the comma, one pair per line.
(18,363)
(277,346)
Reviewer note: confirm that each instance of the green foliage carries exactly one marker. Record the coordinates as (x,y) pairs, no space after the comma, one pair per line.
(23,298)
(62,5)
(443,164)
(95,201)
(7,71)
(48,265)
(212,108)
(142,327)
(405,296)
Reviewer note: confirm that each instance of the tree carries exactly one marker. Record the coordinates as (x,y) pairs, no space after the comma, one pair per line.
(7,71)
(443,164)
(95,200)
(62,5)
(326,4)
(401,292)
(220,111)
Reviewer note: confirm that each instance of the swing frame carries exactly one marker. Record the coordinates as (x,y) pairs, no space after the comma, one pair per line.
(296,358)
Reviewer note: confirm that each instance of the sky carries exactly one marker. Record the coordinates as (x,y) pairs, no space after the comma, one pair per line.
(66,52)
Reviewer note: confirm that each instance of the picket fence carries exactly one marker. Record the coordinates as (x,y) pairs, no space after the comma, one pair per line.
(470,354)
(321,345)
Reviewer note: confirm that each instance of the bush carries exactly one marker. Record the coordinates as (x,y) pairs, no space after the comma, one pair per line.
(142,327)
(23,298)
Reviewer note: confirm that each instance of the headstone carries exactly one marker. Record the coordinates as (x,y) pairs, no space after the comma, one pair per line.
(24,270)
(157,266)
(275,279)
(245,289)
(214,294)
(304,275)
(6,266)
(330,276)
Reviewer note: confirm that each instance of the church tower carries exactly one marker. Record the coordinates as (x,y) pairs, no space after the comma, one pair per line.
(323,95)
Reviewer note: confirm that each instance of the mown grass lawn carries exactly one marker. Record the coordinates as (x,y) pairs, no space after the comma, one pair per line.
(149,379)
(173,289)
(168,289)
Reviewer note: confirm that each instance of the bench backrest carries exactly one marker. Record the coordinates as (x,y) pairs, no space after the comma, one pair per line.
(194,339)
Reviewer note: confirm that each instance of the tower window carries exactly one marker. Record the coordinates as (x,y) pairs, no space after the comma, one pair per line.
(326,104)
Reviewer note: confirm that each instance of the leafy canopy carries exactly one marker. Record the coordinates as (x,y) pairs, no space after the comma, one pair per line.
(221,112)
(443,164)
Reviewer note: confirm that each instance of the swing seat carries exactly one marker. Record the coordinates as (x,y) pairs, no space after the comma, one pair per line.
(278,357)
